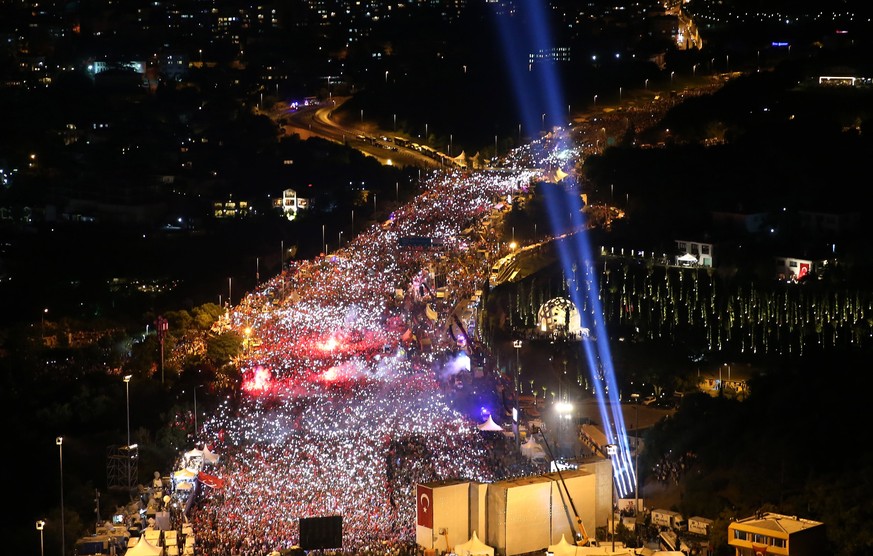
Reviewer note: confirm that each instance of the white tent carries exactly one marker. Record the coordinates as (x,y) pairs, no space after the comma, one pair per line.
(209,456)
(490,425)
(144,548)
(564,548)
(532,450)
(474,547)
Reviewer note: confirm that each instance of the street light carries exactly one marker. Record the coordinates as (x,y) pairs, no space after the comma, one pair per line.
(60,442)
(611,450)
(323,244)
(646,84)
(672,73)
(636,398)
(544,121)
(40,525)
(127,394)
(595,101)
(386,76)
(517,345)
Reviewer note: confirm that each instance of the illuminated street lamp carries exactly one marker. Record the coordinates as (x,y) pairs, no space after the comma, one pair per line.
(127,395)
(672,73)
(60,442)
(646,84)
(517,345)
(40,525)
(611,451)
(636,399)
(595,101)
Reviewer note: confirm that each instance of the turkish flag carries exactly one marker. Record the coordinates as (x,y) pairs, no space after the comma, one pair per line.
(210,480)
(424,506)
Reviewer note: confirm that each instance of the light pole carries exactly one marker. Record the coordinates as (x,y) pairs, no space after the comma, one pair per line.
(127,395)
(323,244)
(40,525)
(619,94)
(636,398)
(646,84)
(386,76)
(544,121)
(339,240)
(517,345)
(353,222)
(60,442)
(395,122)
(595,101)
(611,450)
(672,73)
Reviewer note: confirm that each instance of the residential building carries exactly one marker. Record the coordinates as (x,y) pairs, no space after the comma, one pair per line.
(693,253)
(768,533)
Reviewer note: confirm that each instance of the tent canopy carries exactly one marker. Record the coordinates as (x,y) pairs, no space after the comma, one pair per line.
(474,547)
(490,425)
(144,548)
(564,548)
(532,449)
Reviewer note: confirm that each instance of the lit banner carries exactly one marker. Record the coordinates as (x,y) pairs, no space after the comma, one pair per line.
(424,495)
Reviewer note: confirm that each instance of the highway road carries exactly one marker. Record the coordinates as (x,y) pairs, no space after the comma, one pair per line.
(316,121)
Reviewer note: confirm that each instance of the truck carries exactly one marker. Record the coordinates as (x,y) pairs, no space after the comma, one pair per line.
(699,525)
(668,519)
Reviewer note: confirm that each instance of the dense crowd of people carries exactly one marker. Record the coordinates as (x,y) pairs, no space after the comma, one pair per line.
(345,368)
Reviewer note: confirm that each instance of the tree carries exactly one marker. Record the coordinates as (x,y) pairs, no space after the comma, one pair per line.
(222,348)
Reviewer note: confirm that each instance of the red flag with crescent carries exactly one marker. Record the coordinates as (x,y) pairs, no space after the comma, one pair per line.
(424,495)
(210,480)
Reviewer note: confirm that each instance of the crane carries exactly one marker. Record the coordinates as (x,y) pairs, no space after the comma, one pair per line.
(581,535)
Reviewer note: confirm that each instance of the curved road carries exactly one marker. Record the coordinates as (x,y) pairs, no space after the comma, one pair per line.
(316,121)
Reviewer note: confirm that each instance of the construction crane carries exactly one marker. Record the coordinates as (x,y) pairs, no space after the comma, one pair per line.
(581,536)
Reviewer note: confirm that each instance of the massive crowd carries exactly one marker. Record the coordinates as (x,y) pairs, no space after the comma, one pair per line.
(348,394)
(347,371)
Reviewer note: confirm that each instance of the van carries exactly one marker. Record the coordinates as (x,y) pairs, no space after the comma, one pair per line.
(668,519)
